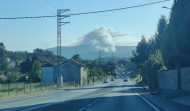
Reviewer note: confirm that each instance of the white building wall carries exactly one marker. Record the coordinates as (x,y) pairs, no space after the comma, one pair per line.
(71,72)
(83,76)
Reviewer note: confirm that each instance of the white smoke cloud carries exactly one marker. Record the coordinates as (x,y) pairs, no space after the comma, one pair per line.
(102,38)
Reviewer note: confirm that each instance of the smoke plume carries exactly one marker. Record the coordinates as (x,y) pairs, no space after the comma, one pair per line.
(101,38)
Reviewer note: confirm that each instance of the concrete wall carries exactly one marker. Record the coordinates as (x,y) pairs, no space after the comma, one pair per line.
(70,72)
(185,78)
(83,76)
(47,75)
(168,79)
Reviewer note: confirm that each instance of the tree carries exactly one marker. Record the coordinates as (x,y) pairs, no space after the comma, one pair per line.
(14,77)
(150,68)
(39,52)
(34,58)
(26,66)
(48,54)
(154,43)
(17,65)
(175,45)
(161,27)
(3,64)
(35,74)
(2,50)
(151,45)
(92,73)
(140,55)
(76,57)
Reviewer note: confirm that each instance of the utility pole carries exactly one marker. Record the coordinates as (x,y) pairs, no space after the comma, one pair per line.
(112,57)
(99,61)
(112,64)
(60,16)
(100,54)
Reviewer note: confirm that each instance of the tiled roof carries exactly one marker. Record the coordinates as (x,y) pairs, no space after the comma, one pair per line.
(48,65)
(72,61)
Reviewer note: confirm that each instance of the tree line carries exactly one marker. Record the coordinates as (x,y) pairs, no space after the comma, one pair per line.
(28,65)
(168,48)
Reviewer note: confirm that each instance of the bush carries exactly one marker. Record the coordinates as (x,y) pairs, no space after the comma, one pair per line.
(95,73)
(3,78)
(150,68)
(14,77)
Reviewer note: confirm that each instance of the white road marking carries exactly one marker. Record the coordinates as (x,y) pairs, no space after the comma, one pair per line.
(149,103)
(82,109)
(153,106)
(49,104)
(89,105)
(36,107)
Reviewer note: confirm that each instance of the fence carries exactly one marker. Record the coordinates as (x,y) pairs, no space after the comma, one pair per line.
(8,89)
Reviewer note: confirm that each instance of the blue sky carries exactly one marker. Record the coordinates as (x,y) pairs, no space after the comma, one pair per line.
(29,34)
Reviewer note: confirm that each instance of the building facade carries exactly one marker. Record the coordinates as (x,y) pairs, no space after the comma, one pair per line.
(70,69)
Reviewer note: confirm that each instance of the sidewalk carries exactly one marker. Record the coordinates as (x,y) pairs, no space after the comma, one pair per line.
(185,100)
(166,104)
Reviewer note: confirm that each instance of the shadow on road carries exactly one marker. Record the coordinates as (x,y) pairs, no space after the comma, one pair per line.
(114,86)
(120,100)
(120,103)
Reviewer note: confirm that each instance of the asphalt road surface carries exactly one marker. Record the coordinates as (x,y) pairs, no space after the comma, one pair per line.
(115,96)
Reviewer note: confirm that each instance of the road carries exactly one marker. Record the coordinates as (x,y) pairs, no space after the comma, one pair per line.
(114,96)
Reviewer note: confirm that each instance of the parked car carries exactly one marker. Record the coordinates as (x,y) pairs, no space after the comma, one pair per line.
(125,80)
(112,79)
(105,81)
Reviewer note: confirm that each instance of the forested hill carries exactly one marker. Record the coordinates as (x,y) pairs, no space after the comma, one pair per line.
(87,52)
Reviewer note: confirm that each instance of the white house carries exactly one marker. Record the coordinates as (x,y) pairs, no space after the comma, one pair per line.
(72,70)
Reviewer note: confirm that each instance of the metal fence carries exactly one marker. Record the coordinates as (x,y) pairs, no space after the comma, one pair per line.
(19,88)
(7,89)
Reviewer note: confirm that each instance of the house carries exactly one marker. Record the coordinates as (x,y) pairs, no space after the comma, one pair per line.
(71,70)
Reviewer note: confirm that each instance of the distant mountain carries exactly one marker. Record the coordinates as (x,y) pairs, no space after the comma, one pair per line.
(87,52)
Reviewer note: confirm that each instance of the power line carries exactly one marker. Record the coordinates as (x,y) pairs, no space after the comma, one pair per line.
(117,9)
(31,17)
(93,12)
